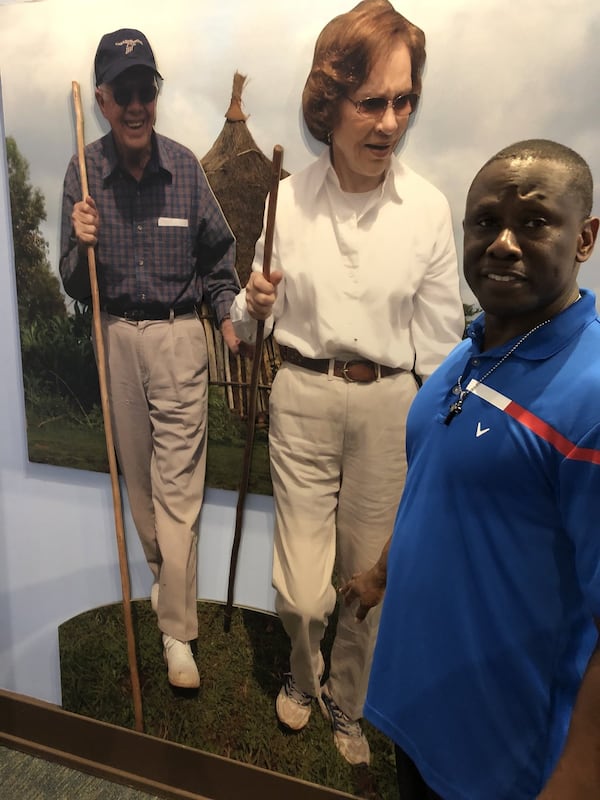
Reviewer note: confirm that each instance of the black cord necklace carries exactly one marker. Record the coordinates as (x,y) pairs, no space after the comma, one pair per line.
(456,406)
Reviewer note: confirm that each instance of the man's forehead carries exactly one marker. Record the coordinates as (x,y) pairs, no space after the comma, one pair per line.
(527,176)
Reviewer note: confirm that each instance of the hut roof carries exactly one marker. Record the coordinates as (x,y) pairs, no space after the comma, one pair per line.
(239,174)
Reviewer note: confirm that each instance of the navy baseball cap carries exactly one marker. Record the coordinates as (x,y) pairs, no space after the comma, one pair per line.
(121,50)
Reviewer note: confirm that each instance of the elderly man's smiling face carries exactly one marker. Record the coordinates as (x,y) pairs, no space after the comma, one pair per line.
(129,105)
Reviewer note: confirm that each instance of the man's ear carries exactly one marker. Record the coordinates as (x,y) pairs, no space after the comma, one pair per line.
(100,100)
(587,239)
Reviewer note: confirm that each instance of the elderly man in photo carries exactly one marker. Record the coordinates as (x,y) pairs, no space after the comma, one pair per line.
(162,246)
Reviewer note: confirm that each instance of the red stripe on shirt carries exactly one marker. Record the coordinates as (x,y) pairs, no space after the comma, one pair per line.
(552,436)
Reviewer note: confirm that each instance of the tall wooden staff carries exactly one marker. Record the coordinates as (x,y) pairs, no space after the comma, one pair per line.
(252,391)
(110,448)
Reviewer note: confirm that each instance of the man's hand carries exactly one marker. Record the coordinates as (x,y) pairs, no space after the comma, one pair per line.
(366,587)
(262,293)
(228,334)
(86,222)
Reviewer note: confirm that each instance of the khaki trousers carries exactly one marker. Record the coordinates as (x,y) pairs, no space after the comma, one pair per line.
(338,467)
(158,389)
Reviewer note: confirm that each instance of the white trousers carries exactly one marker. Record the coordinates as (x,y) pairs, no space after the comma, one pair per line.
(338,466)
(158,390)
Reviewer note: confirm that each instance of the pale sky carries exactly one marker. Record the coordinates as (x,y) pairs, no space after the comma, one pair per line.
(496,72)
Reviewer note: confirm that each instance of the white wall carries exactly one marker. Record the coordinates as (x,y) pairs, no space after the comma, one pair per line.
(58,554)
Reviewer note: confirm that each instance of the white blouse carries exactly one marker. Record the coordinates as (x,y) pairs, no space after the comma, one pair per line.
(370,275)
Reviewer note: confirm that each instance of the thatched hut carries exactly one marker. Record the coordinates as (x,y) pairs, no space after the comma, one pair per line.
(240,174)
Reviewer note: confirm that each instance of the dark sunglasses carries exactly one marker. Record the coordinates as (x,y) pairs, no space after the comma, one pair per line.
(123,95)
(403,105)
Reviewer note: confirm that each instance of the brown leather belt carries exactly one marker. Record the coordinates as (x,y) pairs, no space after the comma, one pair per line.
(354,370)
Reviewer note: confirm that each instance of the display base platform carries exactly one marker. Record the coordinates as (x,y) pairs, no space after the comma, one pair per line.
(134,759)
(232,714)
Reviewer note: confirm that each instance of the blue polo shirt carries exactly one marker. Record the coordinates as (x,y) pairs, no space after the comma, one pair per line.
(494,568)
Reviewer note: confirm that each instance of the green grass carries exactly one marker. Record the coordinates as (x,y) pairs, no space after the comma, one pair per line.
(232,714)
(224,466)
(66,443)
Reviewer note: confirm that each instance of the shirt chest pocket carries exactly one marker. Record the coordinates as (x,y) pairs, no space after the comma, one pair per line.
(173,240)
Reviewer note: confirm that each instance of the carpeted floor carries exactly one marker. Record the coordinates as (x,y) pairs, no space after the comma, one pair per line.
(23,777)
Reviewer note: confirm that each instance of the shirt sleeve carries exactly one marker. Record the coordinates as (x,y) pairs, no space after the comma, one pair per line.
(243,324)
(579,500)
(73,263)
(215,254)
(438,318)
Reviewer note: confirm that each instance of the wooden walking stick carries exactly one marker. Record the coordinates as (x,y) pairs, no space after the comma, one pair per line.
(110,448)
(252,391)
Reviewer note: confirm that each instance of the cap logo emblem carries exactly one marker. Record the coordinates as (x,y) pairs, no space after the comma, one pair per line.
(129,45)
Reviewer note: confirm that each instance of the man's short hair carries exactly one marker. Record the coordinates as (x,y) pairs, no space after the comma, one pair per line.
(581,182)
(345,53)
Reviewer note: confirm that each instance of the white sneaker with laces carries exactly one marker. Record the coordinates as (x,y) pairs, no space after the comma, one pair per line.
(182,669)
(347,733)
(293,706)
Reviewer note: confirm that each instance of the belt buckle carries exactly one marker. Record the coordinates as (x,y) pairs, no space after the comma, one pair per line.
(133,314)
(348,365)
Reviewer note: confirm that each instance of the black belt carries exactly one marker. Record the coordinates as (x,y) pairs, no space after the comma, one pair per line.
(354,370)
(150,312)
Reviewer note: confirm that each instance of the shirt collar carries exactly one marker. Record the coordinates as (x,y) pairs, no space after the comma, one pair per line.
(159,158)
(395,179)
(549,339)
(324,171)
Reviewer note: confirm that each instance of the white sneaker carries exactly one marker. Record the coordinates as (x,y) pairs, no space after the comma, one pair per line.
(154,596)
(348,736)
(293,706)
(182,669)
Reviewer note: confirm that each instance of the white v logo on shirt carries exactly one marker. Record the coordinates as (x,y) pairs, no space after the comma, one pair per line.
(480,431)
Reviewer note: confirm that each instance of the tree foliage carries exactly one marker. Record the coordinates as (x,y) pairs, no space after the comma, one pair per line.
(38,289)
(59,370)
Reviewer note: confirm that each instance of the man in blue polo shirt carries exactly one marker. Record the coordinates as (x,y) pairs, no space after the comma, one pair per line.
(487,670)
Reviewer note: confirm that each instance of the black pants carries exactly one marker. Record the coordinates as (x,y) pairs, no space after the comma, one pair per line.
(410,783)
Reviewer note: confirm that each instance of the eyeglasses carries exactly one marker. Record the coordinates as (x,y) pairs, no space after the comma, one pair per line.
(403,105)
(123,95)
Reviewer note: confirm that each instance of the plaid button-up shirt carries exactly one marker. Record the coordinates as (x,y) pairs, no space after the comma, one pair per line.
(162,241)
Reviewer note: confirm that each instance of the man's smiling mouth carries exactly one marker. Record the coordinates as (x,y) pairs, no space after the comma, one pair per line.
(503,277)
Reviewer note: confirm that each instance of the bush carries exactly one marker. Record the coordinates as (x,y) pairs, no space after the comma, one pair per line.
(58,360)
(224,426)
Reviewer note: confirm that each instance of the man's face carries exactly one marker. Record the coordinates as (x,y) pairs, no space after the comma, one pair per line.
(525,233)
(129,105)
